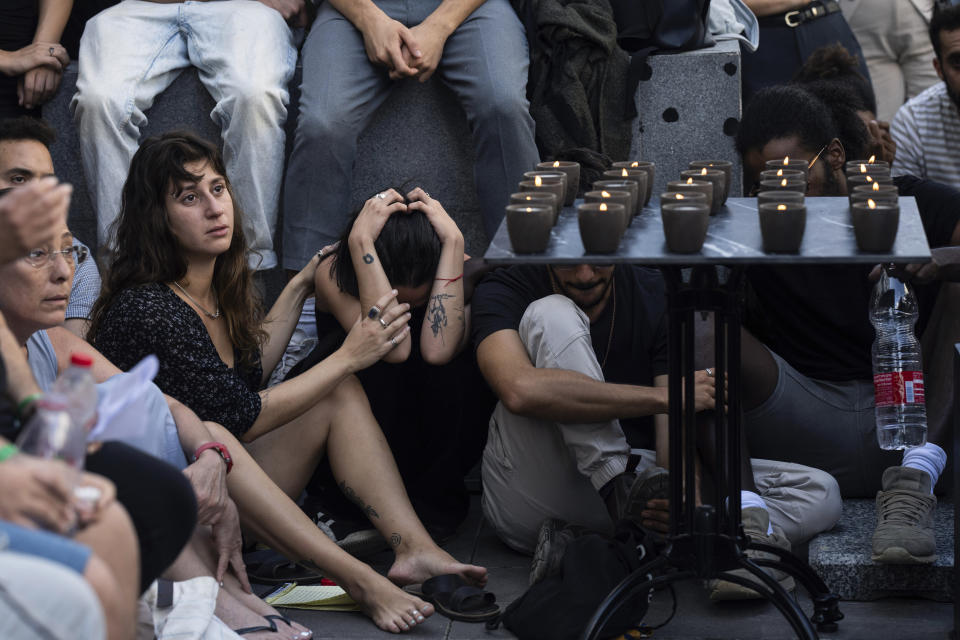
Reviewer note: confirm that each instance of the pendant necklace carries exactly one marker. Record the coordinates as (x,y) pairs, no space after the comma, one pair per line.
(212,316)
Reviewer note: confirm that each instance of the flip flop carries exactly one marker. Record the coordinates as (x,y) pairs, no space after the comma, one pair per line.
(272,626)
(266,566)
(453,598)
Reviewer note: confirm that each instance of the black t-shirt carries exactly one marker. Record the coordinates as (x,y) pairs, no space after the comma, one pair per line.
(816,318)
(637,344)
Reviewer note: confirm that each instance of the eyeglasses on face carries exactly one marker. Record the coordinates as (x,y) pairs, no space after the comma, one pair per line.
(40,258)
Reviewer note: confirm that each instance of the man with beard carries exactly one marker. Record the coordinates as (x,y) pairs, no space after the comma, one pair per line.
(577,355)
(927,128)
(807,371)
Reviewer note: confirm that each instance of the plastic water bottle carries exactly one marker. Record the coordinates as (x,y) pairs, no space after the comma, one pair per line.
(52,434)
(901,414)
(77,386)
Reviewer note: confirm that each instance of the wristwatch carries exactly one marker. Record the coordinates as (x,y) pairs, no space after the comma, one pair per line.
(220,448)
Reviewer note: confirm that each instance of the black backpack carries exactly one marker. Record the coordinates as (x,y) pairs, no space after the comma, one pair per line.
(560,606)
(650,26)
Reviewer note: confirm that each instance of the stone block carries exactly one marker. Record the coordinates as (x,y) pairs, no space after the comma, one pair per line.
(689,109)
(420,133)
(842,558)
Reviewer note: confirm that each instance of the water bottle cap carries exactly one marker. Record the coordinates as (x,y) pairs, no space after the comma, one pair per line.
(81,360)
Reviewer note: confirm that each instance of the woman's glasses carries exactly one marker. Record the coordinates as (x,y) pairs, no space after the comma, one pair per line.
(41,258)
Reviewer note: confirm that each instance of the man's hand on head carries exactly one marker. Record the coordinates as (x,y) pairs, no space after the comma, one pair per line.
(293,11)
(30,215)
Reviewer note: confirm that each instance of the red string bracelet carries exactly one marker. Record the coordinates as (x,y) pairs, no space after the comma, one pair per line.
(450,281)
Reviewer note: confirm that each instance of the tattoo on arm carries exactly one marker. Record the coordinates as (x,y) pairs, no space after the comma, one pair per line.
(354,498)
(264,399)
(395,540)
(437,314)
(367,258)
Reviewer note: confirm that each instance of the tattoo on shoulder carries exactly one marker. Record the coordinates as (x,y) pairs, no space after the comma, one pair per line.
(367,258)
(354,498)
(437,314)
(395,540)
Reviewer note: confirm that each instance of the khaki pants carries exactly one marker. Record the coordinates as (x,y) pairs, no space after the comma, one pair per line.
(893,37)
(534,469)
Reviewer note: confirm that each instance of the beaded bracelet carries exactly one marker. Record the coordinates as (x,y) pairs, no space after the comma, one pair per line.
(7,451)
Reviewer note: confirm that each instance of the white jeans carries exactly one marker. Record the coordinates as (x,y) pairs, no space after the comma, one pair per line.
(245,56)
(534,469)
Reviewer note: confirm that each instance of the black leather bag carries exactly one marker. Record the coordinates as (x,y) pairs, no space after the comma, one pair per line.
(645,27)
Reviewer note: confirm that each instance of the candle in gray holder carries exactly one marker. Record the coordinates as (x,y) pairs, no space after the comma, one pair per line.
(537,197)
(714,176)
(529,227)
(684,224)
(572,171)
(618,197)
(875,225)
(601,226)
(723,165)
(640,165)
(538,185)
(701,186)
(782,226)
(637,175)
(623,185)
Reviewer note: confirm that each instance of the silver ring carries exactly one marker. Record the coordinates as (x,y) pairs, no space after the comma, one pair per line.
(374,312)
(709,372)
(320,252)
(51,51)
(382,195)
(393,341)
(426,194)
(383,323)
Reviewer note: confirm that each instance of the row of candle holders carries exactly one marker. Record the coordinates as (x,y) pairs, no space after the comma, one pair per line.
(685,207)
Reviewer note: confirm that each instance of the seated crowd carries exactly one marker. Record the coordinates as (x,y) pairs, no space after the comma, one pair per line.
(364,443)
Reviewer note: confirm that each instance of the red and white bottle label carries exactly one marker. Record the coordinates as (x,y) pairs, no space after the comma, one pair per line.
(898,387)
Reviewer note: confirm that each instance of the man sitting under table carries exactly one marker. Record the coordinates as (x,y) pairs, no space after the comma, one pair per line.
(808,375)
(577,355)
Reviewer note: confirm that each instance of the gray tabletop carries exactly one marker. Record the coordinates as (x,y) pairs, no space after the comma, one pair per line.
(733,238)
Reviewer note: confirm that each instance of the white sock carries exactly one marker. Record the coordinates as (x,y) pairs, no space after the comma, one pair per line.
(751,499)
(929,458)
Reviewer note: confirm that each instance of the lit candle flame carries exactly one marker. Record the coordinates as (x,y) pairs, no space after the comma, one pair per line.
(786,160)
(529,210)
(779,172)
(556,163)
(703,171)
(876,186)
(537,181)
(679,196)
(863,168)
(783,182)
(871,203)
(689,180)
(624,173)
(604,194)
(603,206)
(634,164)
(872,159)
(869,179)
(781,207)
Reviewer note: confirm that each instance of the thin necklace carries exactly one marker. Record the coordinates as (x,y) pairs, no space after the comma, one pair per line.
(613,319)
(212,316)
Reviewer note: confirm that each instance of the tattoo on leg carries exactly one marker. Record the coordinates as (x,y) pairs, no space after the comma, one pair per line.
(367,258)
(437,314)
(354,498)
(395,540)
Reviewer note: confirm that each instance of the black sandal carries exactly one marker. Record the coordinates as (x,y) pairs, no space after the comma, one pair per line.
(453,598)
(271,626)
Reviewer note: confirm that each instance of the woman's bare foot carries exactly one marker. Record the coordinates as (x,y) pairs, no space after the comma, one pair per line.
(390,608)
(413,566)
(258,606)
(239,615)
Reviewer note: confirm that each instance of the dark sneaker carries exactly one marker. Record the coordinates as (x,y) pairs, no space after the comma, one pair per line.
(905,506)
(631,492)
(356,538)
(552,541)
(756,522)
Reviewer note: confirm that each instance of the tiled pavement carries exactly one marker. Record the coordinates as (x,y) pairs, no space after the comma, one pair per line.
(900,618)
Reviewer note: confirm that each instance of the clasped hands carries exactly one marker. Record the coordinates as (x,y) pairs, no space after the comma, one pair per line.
(405,52)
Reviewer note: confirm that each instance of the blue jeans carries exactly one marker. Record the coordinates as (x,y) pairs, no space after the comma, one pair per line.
(484,63)
(244,53)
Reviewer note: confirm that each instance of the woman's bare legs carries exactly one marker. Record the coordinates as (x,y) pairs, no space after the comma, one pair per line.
(235,607)
(114,569)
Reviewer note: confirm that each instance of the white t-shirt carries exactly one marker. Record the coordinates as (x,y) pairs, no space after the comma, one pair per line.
(927,132)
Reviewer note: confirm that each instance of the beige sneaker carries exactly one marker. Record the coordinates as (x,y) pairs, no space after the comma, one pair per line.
(756,522)
(904,533)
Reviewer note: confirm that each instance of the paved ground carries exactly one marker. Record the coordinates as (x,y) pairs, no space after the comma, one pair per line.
(900,618)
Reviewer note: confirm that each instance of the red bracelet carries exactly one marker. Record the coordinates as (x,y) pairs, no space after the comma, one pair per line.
(219,448)
(450,280)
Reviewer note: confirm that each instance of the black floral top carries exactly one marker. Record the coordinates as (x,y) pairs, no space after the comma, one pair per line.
(151,318)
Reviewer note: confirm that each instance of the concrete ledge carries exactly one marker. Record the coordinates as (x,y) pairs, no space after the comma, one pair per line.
(419,133)
(842,558)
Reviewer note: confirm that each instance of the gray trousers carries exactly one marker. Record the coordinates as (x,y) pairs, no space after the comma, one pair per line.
(534,469)
(484,63)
